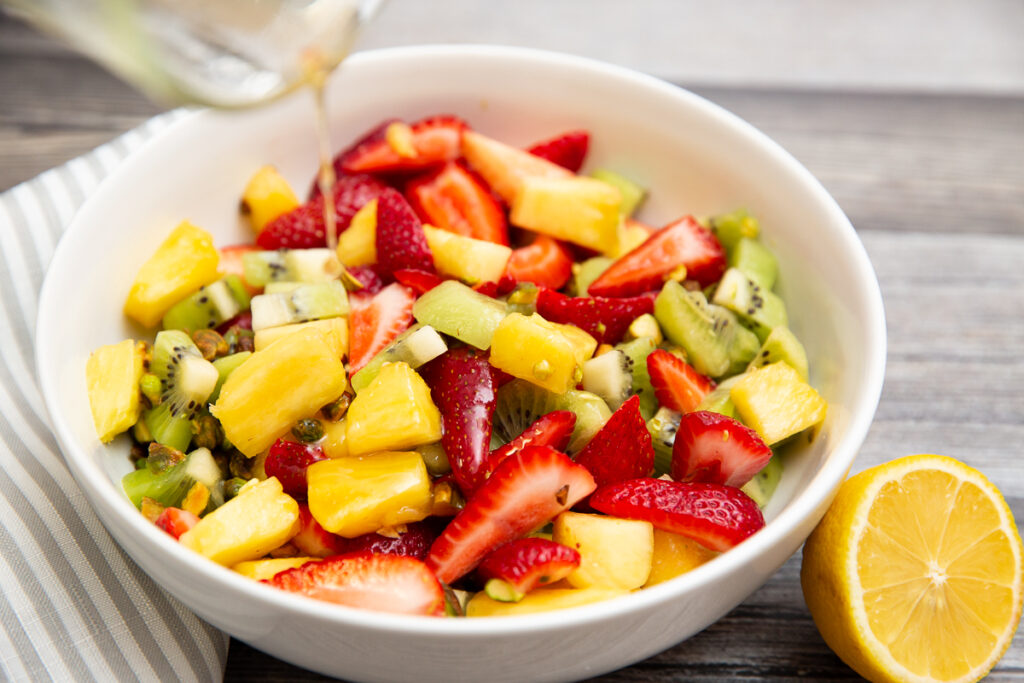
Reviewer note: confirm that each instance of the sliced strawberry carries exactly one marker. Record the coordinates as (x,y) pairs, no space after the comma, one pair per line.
(435,140)
(401,242)
(718,517)
(544,262)
(516,568)
(419,281)
(682,243)
(677,385)
(454,199)
(176,521)
(496,289)
(375,320)
(368,277)
(231,263)
(622,449)
(371,137)
(463,388)
(527,490)
(568,150)
(553,430)
(288,460)
(717,449)
(413,542)
(383,583)
(303,227)
(315,541)
(606,320)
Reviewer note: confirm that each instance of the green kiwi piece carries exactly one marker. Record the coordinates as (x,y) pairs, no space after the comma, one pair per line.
(731,227)
(782,345)
(209,307)
(416,346)
(225,366)
(636,352)
(290,265)
(454,309)
(186,377)
(756,262)
(610,376)
(520,403)
(758,308)
(632,194)
(663,427)
(312,301)
(584,274)
(168,487)
(165,428)
(718,399)
(764,483)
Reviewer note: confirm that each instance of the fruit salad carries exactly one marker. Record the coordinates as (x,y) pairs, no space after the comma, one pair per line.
(501,393)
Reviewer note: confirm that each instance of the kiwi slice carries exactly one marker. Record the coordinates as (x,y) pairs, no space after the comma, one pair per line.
(764,483)
(165,428)
(758,309)
(290,265)
(307,302)
(584,274)
(209,307)
(718,399)
(186,378)
(663,427)
(520,403)
(456,310)
(636,352)
(225,366)
(416,346)
(632,194)
(756,262)
(730,228)
(609,376)
(782,345)
(169,486)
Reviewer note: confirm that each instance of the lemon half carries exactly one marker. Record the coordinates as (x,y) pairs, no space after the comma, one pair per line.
(914,573)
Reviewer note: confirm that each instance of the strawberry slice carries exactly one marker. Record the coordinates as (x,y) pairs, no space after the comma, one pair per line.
(383,583)
(496,289)
(544,262)
(303,227)
(374,135)
(288,460)
(313,540)
(717,449)
(682,243)
(463,388)
(622,449)
(419,281)
(375,320)
(606,320)
(231,263)
(568,150)
(677,385)
(401,242)
(176,521)
(718,517)
(553,430)
(455,199)
(434,141)
(516,568)
(527,490)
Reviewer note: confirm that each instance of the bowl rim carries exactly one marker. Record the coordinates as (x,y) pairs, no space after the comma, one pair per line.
(815,496)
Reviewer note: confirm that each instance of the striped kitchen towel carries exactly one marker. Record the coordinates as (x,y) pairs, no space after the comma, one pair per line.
(73,606)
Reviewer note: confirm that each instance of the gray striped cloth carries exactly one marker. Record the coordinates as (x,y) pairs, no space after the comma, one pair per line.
(73,606)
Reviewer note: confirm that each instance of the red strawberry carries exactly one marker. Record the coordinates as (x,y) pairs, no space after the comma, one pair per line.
(288,460)
(622,449)
(718,517)
(371,137)
(464,390)
(383,583)
(553,430)
(527,490)
(436,140)
(231,263)
(682,243)
(676,384)
(717,449)
(401,242)
(176,521)
(454,199)
(568,150)
(544,262)
(516,568)
(314,540)
(242,321)
(375,320)
(303,227)
(496,289)
(413,542)
(419,281)
(368,277)
(604,319)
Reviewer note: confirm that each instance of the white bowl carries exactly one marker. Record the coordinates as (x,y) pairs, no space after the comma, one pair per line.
(695,157)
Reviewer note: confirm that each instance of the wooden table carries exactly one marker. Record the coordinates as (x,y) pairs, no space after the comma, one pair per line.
(934,183)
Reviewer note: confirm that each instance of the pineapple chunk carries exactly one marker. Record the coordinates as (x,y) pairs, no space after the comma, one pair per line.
(335,442)
(776,403)
(470,260)
(186,261)
(357,246)
(539,600)
(261,570)
(580,210)
(289,380)
(393,413)
(675,554)
(247,527)
(267,336)
(356,496)
(267,196)
(540,352)
(112,376)
(504,167)
(631,235)
(614,553)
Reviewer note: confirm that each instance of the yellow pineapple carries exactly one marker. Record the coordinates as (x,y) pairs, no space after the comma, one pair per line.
(540,600)
(580,210)
(544,353)
(357,246)
(504,167)
(186,261)
(247,527)
(394,412)
(112,376)
(674,555)
(272,389)
(261,570)
(335,441)
(268,335)
(356,496)
(470,260)
(776,403)
(614,553)
(267,196)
